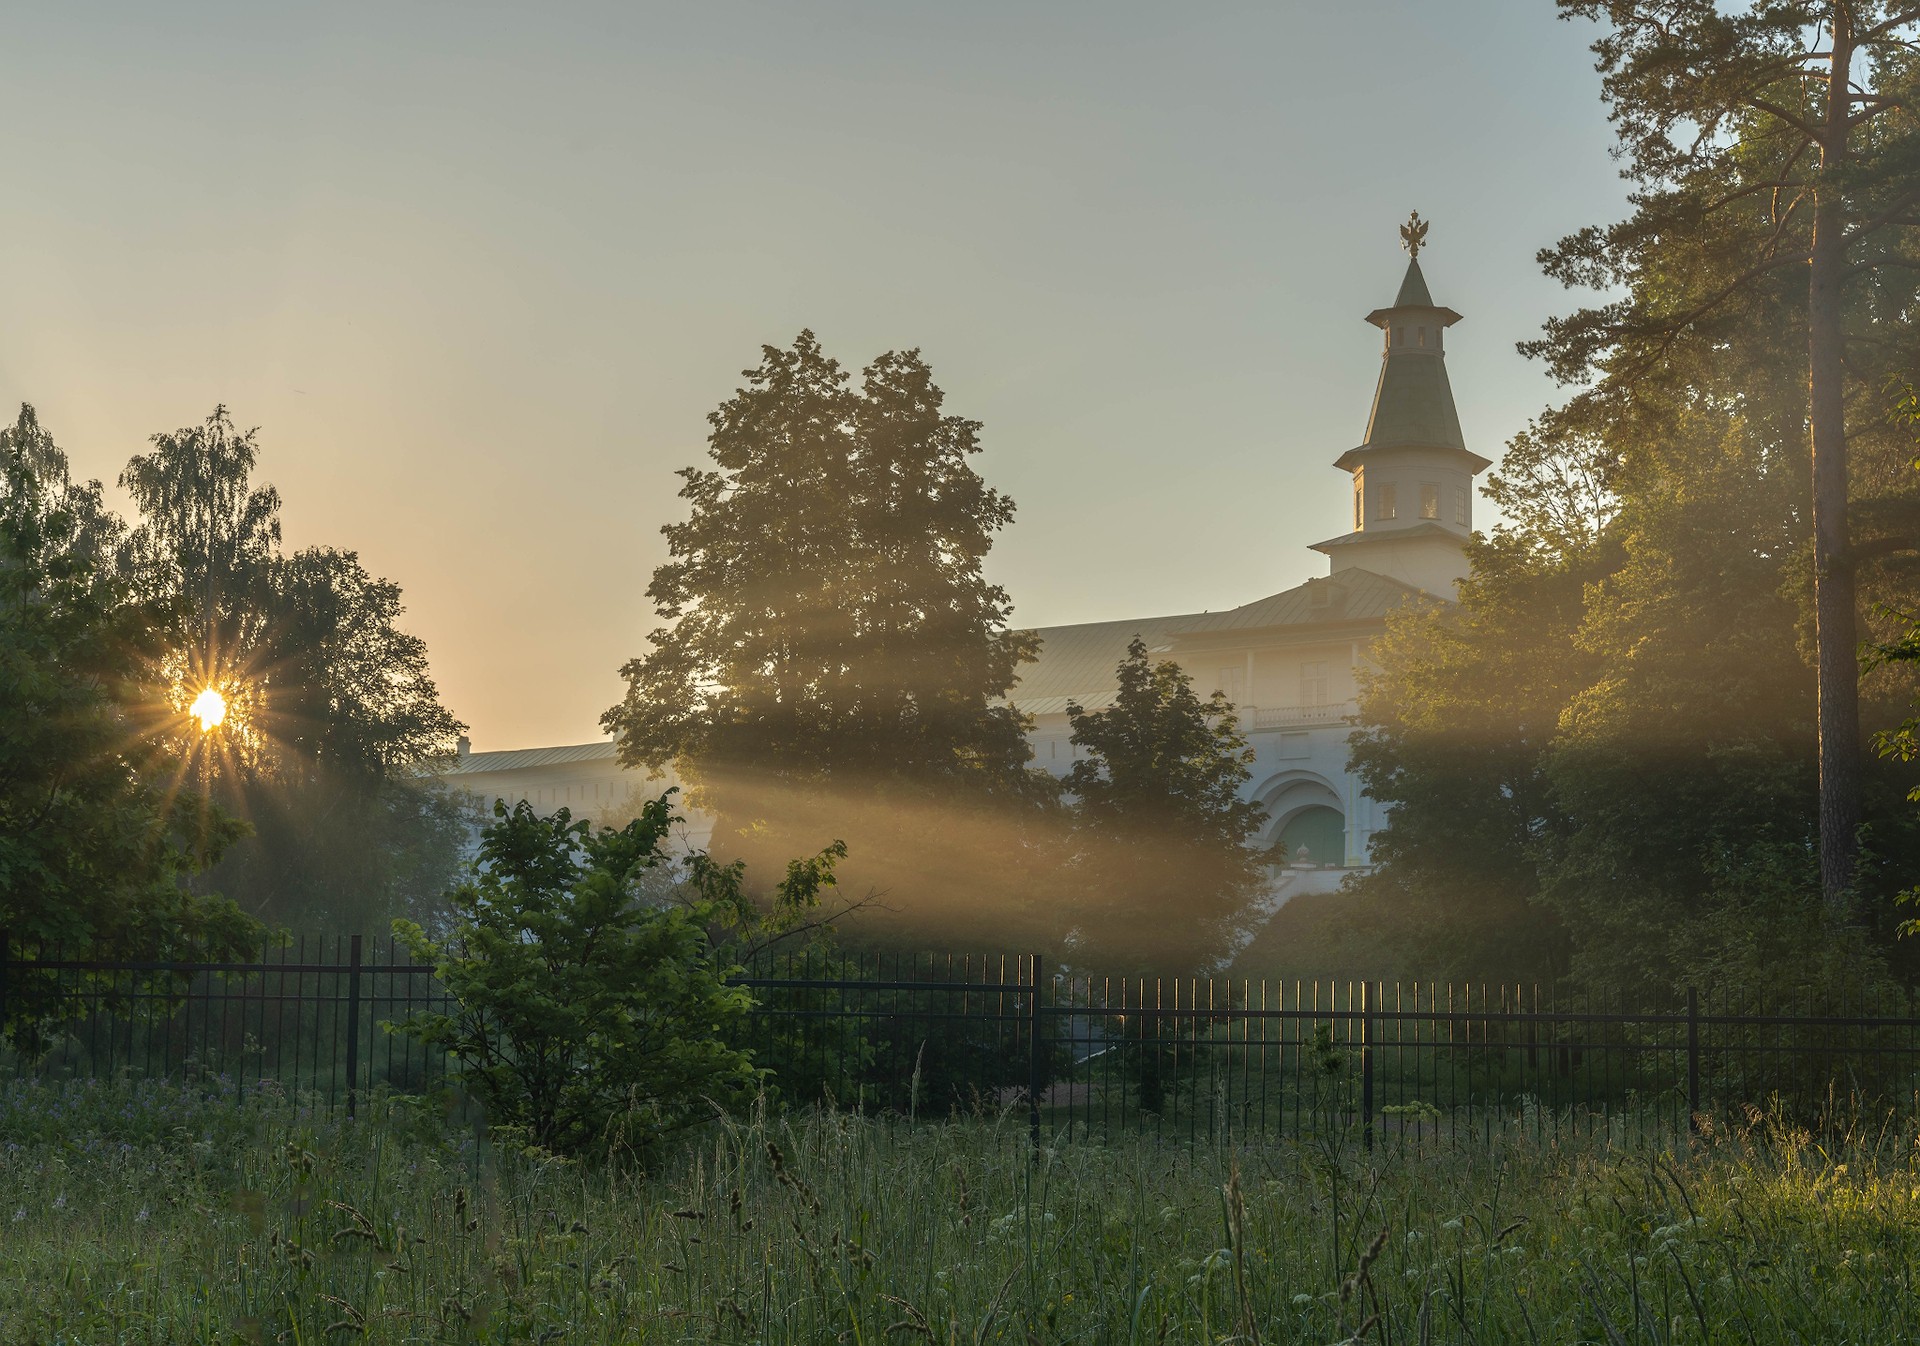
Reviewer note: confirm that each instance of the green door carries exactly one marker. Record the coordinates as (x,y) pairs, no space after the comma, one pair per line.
(1322,831)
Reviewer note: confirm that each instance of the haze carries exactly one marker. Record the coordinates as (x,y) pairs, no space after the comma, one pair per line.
(479,273)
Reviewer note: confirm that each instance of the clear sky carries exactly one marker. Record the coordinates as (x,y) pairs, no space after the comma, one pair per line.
(479,272)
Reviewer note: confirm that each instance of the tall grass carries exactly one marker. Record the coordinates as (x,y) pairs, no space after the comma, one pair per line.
(160,1214)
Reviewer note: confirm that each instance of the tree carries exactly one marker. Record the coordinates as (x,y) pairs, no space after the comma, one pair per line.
(834,657)
(591,1020)
(1776,155)
(333,717)
(1164,864)
(98,833)
(1601,760)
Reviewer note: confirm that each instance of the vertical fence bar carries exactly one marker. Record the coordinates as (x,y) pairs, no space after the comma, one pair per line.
(1366,1064)
(1693,1059)
(353,1024)
(1035,1046)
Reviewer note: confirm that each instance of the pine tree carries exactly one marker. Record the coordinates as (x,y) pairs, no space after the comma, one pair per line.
(1775,150)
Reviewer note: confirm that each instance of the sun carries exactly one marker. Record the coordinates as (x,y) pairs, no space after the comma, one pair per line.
(210,708)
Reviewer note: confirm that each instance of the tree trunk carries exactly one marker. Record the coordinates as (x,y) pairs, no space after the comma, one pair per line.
(1833,578)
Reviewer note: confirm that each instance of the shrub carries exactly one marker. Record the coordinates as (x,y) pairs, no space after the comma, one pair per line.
(589,1019)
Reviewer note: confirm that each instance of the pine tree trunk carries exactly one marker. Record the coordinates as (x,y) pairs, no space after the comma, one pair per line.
(1833,582)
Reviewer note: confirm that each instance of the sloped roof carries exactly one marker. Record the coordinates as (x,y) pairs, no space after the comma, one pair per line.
(1413,404)
(1357,595)
(1424,528)
(1077,663)
(519,759)
(1413,288)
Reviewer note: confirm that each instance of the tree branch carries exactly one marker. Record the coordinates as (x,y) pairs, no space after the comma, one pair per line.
(1773,109)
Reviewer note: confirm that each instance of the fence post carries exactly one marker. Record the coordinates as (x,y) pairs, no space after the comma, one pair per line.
(1693,1059)
(1366,1064)
(353,1023)
(1035,1049)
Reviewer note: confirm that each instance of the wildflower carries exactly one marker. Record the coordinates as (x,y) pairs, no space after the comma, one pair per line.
(20,1215)
(141,1216)
(60,1202)
(1301,1301)
(1454,1223)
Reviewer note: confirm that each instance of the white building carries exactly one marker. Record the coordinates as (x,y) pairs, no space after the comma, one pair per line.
(1289,662)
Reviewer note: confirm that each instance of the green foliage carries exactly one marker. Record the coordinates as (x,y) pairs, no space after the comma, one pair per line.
(1163,864)
(98,837)
(1606,761)
(831,659)
(333,718)
(591,1020)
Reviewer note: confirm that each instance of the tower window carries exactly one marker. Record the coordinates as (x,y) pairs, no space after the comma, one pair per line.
(1358,521)
(1384,504)
(1462,506)
(1399,336)
(1429,500)
(1421,332)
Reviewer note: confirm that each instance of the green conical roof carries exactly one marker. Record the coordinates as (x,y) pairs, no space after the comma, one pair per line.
(1413,290)
(1413,405)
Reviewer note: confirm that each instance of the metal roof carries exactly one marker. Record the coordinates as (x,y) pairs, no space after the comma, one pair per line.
(1079,663)
(1351,595)
(520,759)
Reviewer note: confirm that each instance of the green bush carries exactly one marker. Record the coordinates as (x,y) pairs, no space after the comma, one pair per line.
(591,1020)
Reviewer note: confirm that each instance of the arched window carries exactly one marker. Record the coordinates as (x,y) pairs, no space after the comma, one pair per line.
(1319,832)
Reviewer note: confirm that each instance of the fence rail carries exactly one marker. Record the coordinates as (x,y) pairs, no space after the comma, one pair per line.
(1081,1057)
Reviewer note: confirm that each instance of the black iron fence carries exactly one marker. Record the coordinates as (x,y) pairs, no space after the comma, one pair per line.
(1076,1057)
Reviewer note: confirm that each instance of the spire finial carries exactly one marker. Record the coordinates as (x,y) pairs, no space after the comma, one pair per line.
(1413,234)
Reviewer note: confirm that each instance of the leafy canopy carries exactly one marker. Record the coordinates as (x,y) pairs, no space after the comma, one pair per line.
(99,831)
(1164,865)
(832,660)
(590,1018)
(333,715)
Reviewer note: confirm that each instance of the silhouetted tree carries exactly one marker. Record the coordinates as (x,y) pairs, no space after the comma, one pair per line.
(98,830)
(333,717)
(1164,866)
(1775,150)
(833,661)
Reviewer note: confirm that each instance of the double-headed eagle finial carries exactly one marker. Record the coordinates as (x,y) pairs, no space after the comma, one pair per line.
(1413,234)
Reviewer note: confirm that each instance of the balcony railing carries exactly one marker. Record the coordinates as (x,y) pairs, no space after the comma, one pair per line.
(1286,717)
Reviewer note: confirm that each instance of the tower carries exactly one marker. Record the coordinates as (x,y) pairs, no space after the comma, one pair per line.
(1413,473)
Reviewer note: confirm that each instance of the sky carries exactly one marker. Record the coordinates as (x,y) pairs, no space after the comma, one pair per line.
(478,273)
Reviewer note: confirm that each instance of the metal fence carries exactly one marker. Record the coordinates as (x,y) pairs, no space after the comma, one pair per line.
(1076,1057)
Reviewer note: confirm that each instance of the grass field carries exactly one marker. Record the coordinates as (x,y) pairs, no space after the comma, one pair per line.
(157,1214)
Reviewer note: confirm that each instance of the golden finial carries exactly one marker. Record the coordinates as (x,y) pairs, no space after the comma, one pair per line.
(1412,234)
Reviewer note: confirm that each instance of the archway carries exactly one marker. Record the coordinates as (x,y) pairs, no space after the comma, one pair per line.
(1320,831)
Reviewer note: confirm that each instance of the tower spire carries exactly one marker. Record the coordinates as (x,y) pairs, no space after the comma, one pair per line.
(1412,473)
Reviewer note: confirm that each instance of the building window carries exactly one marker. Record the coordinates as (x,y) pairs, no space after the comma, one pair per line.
(1422,334)
(1358,521)
(1233,682)
(1384,504)
(1429,500)
(1400,336)
(1315,689)
(1462,506)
